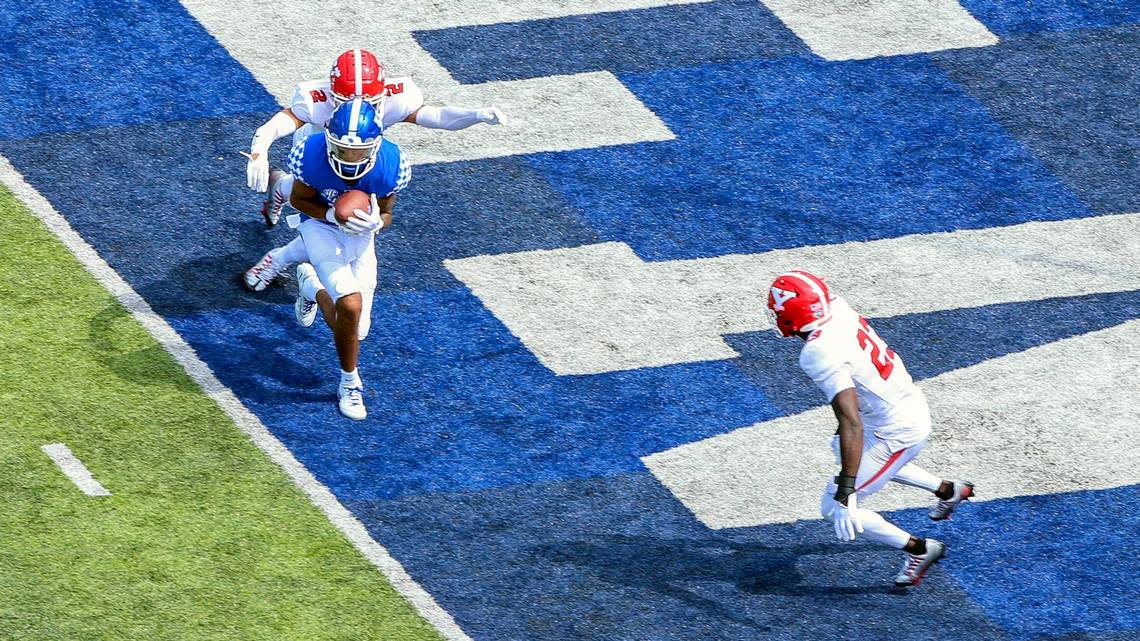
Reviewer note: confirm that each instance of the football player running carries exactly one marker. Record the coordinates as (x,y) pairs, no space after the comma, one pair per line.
(351,154)
(356,73)
(884,421)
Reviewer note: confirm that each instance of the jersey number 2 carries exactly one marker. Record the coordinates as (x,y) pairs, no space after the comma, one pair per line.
(882,357)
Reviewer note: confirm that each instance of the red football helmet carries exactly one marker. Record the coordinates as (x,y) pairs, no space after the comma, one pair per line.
(796,301)
(357,73)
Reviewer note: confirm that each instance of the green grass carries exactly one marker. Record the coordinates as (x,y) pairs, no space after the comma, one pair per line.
(203,538)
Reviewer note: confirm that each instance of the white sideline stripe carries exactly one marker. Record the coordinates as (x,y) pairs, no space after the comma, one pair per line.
(75,470)
(1059,417)
(246,420)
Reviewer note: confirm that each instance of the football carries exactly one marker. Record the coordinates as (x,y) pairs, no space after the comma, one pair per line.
(349,201)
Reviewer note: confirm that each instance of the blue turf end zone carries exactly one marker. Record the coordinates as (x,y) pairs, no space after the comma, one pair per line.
(1008,17)
(1071,99)
(86,64)
(785,153)
(1055,564)
(640,40)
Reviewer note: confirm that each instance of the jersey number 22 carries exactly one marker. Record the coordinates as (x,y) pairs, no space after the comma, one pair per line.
(882,357)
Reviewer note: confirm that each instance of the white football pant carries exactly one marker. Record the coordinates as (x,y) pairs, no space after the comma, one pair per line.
(878,466)
(345,263)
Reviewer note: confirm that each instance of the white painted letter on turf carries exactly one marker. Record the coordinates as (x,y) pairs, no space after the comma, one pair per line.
(552,113)
(601,308)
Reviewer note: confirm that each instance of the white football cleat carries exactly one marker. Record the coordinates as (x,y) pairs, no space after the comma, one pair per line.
(258,277)
(963,490)
(304,310)
(351,402)
(916,565)
(274,202)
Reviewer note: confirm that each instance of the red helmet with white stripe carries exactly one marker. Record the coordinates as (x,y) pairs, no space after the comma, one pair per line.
(357,74)
(797,300)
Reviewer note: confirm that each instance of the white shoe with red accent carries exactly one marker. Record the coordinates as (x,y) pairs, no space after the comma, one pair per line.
(916,565)
(258,277)
(274,202)
(963,490)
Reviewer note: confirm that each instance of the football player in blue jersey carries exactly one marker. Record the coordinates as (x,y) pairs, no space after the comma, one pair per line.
(340,276)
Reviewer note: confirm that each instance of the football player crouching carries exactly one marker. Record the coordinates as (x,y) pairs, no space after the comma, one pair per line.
(884,421)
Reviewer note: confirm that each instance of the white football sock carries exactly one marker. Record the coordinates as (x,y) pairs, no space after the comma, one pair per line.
(284,187)
(914,476)
(292,252)
(878,529)
(350,379)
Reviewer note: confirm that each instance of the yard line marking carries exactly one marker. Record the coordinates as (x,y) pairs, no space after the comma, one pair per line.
(245,420)
(75,470)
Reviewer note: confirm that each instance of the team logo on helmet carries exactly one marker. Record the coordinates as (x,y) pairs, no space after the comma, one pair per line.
(781,296)
(797,301)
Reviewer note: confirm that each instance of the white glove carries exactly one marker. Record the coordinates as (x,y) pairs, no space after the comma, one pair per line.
(491,116)
(846,519)
(363,222)
(257,172)
(374,209)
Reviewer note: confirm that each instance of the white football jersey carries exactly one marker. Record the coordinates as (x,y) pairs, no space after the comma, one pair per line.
(844,352)
(312,102)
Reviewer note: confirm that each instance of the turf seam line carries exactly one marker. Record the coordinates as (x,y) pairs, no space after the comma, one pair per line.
(74,469)
(245,420)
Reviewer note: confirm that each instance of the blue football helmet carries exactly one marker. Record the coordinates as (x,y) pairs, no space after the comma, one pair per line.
(353,136)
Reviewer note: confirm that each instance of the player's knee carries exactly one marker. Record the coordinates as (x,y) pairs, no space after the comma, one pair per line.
(349,306)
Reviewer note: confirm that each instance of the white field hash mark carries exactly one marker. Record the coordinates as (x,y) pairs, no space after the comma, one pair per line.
(248,422)
(75,470)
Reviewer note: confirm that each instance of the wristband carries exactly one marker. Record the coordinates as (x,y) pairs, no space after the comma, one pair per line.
(330,216)
(846,485)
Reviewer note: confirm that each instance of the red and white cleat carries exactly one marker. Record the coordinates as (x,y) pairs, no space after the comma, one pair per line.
(916,565)
(258,277)
(274,202)
(963,490)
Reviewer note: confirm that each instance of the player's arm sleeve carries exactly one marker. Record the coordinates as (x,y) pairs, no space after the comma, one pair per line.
(831,376)
(301,104)
(450,118)
(280,125)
